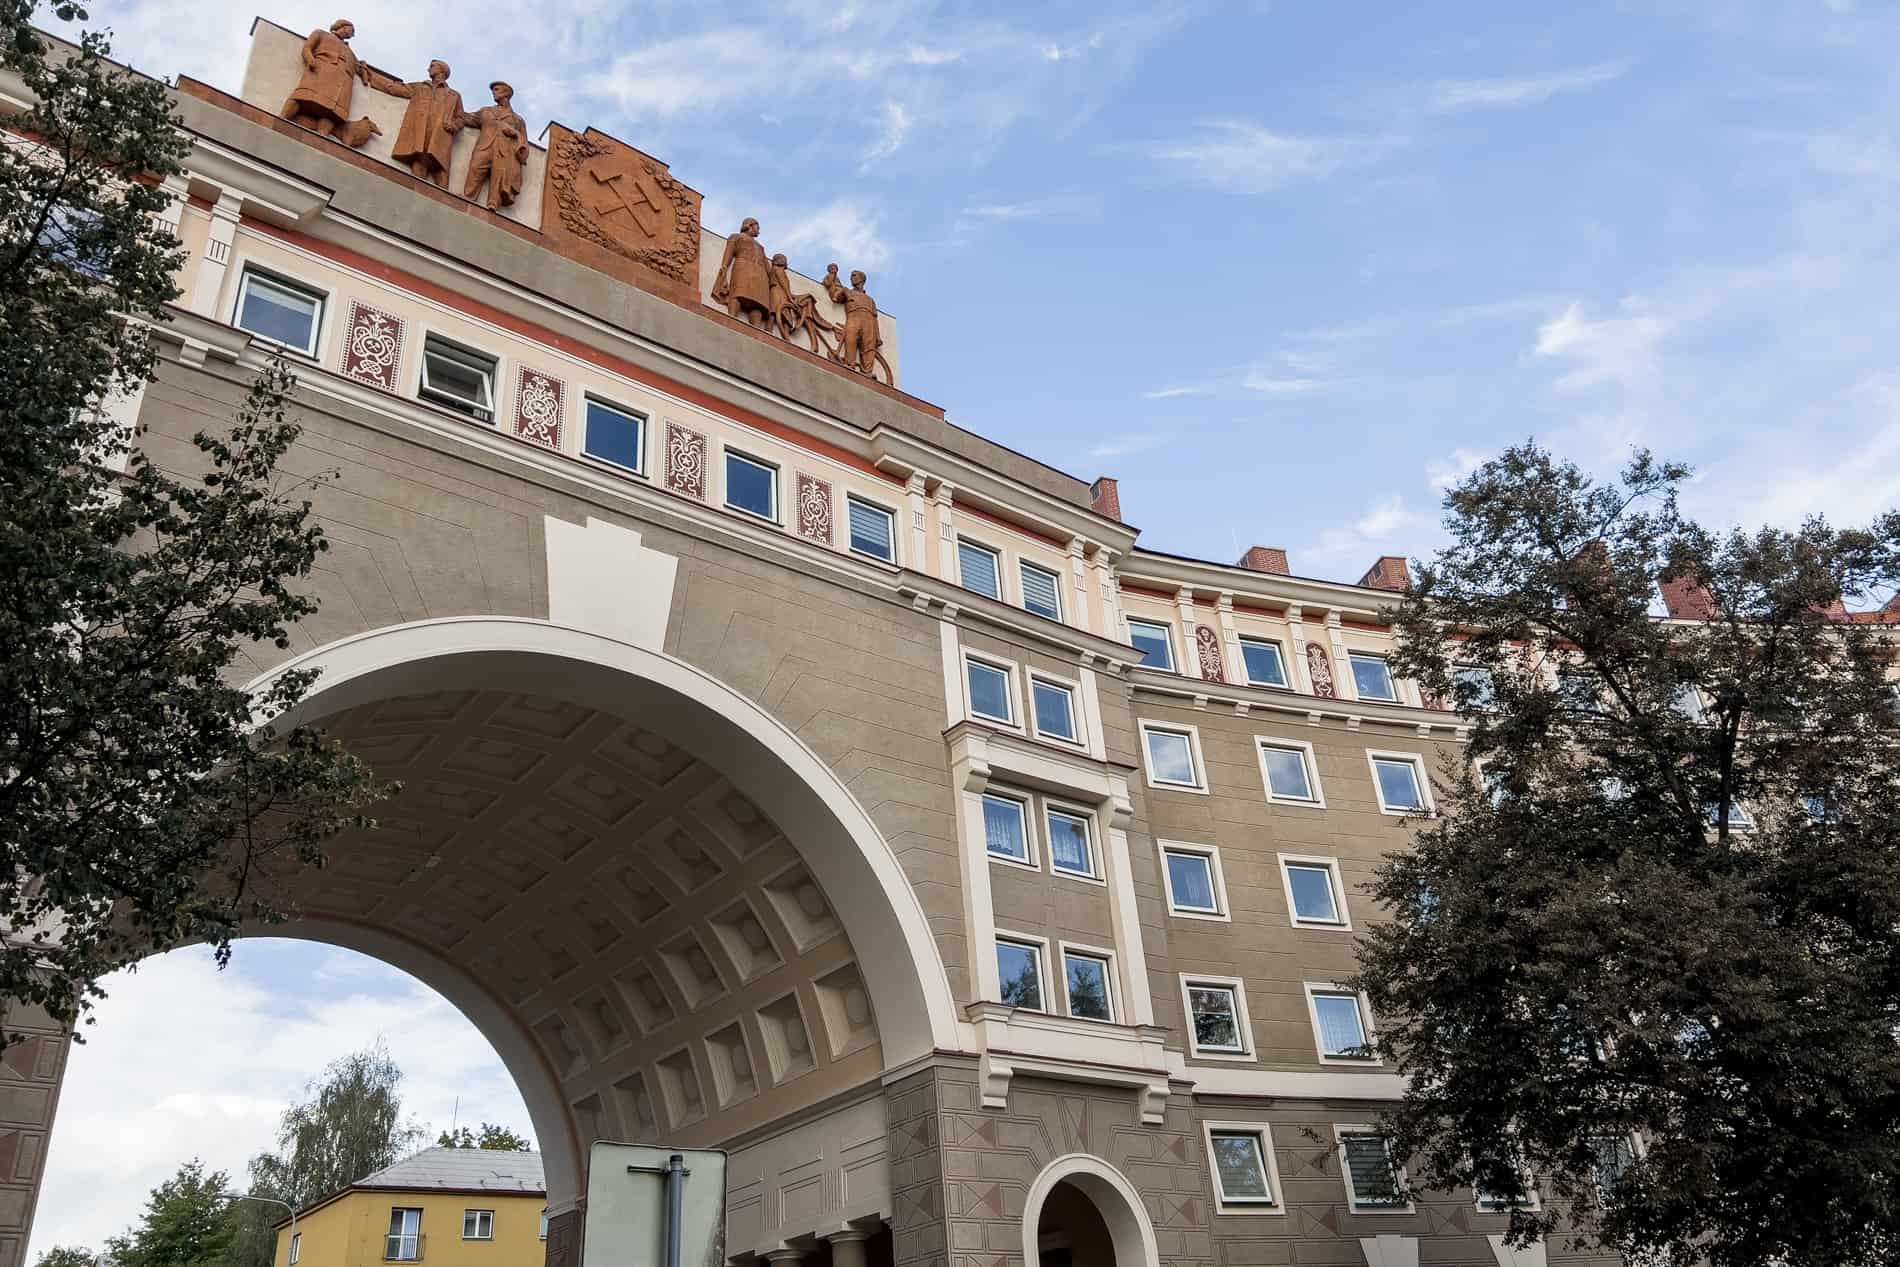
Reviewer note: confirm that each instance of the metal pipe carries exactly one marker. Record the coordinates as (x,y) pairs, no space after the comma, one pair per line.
(675,1207)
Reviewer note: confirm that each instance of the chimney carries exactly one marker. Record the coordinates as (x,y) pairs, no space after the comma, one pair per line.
(1683,599)
(1106,498)
(1265,559)
(1389,573)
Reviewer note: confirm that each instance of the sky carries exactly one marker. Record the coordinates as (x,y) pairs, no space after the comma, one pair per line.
(1287,270)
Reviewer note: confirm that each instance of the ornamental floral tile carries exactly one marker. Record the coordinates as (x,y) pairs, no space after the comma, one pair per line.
(372,346)
(685,461)
(540,404)
(814,508)
(1207,644)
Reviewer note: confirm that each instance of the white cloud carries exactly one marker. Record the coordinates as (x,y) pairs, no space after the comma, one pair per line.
(918,55)
(1052,52)
(891,139)
(1246,158)
(1442,473)
(1613,350)
(1387,527)
(844,230)
(1269,385)
(1170,393)
(1464,94)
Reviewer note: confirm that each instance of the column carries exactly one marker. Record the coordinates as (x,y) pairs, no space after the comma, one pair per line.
(1189,652)
(1298,674)
(787,1257)
(1344,685)
(174,211)
(1077,606)
(847,1247)
(944,499)
(1109,590)
(918,556)
(1229,638)
(217,256)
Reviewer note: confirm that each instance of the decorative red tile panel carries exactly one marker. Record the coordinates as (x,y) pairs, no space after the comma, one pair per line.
(1207,643)
(1321,670)
(540,404)
(814,508)
(372,347)
(685,461)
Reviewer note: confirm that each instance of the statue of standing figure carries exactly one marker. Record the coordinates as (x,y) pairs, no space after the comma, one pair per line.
(743,282)
(321,100)
(429,124)
(501,151)
(858,345)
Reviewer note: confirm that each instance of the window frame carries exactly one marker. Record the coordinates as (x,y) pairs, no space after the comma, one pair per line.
(399,1237)
(1051,807)
(1211,855)
(889,512)
(639,418)
(1335,881)
(1353,1202)
(1263,1139)
(296,1249)
(1039,948)
(478,1212)
(1384,662)
(1243,1026)
(450,405)
(1187,731)
(996,664)
(1055,584)
(1279,650)
(1485,1205)
(1417,761)
(270,277)
(1312,990)
(1305,748)
(1021,801)
(1073,740)
(727,455)
(1167,637)
(993,552)
(1064,949)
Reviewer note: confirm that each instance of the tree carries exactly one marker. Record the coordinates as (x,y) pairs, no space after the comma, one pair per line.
(187,1223)
(140,805)
(1664,897)
(68,1256)
(499,1138)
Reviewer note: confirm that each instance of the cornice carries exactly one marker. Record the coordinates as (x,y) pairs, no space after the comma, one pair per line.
(1211,580)
(1314,710)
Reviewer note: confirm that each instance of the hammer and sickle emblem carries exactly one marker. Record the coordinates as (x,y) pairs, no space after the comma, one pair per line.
(631,192)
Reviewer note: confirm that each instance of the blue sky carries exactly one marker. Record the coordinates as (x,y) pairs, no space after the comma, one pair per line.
(1283,268)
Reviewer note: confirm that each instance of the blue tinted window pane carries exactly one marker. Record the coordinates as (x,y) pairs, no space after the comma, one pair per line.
(1286,773)
(1069,844)
(1152,641)
(976,568)
(278,313)
(1398,785)
(1170,758)
(1003,828)
(989,692)
(1020,974)
(1055,711)
(751,486)
(1191,880)
(612,435)
(1340,1029)
(1264,666)
(871,531)
(1313,894)
(1372,678)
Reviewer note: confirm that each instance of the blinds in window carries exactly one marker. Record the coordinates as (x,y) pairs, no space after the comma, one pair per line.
(1039,592)
(870,529)
(1369,1166)
(977,568)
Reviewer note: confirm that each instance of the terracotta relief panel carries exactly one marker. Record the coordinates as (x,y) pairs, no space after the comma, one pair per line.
(1321,671)
(372,347)
(1207,644)
(608,193)
(685,461)
(814,508)
(540,404)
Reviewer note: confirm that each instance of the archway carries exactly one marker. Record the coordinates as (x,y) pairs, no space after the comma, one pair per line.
(1082,1212)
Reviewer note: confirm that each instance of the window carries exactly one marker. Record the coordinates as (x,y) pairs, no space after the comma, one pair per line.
(1217,1019)
(458,378)
(1578,692)
(296,1248)
(751,486)
(1400,783)
(1042,592)
(544,1225)
(1820,809)
(478,1225)
(72,238)
(872,529)
(614,435)
(1372,1181)
(1019,968)
(1243,1167)
(1155,642)
(1287,768)
(1264,664)
(1055,709)
(1085,977)
(979,568)
(1339,1022)
(1372,677)
(404,1242)
(1496,1203)
(1170,757)
(1477,683)
(989,691)
(1313,891)
(1687,703)
(1006,828)
(280,311)
(1193,880)
(1070,850)
(1738,818)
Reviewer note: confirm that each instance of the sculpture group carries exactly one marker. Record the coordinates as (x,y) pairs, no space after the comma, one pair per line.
(321,101)
(759,291)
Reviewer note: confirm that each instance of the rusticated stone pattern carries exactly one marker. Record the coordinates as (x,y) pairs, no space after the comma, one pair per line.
(30,1070)
(564,1240)
(918,1234)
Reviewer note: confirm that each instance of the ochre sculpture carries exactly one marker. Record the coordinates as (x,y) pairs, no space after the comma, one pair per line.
(743,283)
(321,100)
(429,125)
(858,345)
(612,195)
(501,152)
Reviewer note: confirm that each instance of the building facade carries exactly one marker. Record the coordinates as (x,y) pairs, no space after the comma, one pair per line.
(787,769)
(448,1207)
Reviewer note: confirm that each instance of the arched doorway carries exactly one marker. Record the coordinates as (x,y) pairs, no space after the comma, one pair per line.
(1082,1212)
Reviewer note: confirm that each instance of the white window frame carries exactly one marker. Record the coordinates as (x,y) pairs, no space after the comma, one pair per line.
(296,1248)
(1417,761)
(881,509)
(727,454)
(478,1213)
(1087,819)
(1264,1132)
(1340,1131)
(271,277)
(1024,806)
(1055,578)
(1211,854)
(1262,742)
(1173,665)
(1075,713)
(1193,735)
(990,550)
(1008,669)
(1242,1025)
(1107,957)
(494,379)
(640,418)
(1040,945)
(1316,988)
(1486,1206)
(1260,640)
(1739,819)
(401,1237)
(1394,698)
(1315,862)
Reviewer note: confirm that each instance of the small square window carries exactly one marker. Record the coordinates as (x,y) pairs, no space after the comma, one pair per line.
(1820,809)
(1340,1024)
(1192,886)
(1288,776)
(979,568)
(1372,676)
(989,692)
(458,378)
(478,1225)
(1401,790)
(1264,664)
(615,435)
(752,486)
(1313,893)
(1687,703)
(1579,692)
(1006,828)
(1154,640)
(1738,818)
(1214,1017)
(1372,1180)
(1170,757)
(1085,977)
(1042,591)
(1055,709)
(280,311)
(873,530)
(1240,1167)
(1477,683)
(1070,850)
(1019,968)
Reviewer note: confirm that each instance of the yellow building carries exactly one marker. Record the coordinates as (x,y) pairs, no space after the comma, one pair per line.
(449,1207)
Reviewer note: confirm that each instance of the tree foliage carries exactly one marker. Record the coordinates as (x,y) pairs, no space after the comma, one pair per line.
(68,1256)
(139,803)
(490,1136)
(187,1223)
(1664,897)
